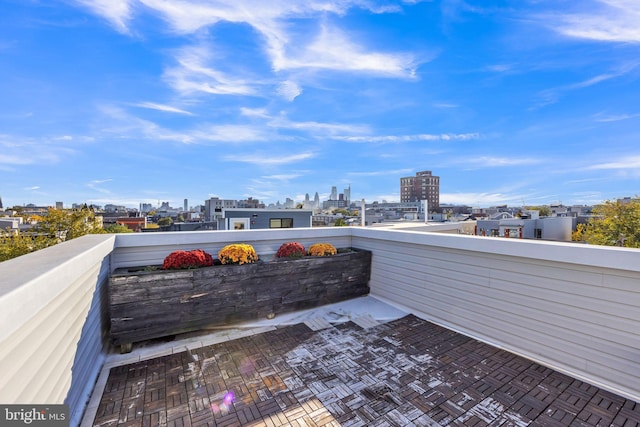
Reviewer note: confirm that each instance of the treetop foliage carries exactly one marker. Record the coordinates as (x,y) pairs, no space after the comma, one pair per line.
(614,224)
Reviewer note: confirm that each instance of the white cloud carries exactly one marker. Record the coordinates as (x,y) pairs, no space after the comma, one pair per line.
(289,90)
(20,151)
(95,185)
(603,20)
(118,12)
(162,107)
(411,138)
(484,199)
(193,73)
(283,177)
(631,162)
(318,127)
(123,123)
(617,118)
(333,49)
(254,112)
(489,161)
(264,159)
(550,96)
(382,173)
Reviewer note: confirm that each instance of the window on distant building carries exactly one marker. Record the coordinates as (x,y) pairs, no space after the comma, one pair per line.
(281,223)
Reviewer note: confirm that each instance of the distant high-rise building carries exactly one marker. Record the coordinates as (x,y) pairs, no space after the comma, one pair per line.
(423,186)
(59,205)
(334,193)
(186,205)
(347,194)
(316,201)
(146,207)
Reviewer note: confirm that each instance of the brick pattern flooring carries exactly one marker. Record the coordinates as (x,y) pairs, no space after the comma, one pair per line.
(403,373)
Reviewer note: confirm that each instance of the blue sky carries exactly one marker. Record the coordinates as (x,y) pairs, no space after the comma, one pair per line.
(128,101)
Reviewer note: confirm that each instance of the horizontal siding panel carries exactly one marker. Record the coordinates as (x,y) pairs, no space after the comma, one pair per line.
(573,317)
(154,255)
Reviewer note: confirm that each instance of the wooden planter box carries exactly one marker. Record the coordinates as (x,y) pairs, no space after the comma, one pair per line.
(152,304)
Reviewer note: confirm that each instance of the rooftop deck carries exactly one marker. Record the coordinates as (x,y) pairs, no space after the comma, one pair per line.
(571,311)
(362,372)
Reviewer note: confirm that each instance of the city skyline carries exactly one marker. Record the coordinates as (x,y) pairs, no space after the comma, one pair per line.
(133,101)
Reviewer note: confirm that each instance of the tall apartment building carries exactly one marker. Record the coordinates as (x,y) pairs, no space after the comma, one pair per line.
(423,186)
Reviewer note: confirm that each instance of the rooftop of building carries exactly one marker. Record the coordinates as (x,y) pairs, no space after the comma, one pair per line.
(357,363)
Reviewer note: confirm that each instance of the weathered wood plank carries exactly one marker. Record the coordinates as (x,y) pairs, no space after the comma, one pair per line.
(146,305)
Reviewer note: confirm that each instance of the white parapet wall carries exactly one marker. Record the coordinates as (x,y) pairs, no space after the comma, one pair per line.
(573,307)
(51,339)
(133,250)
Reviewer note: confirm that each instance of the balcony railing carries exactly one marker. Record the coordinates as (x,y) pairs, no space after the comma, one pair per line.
(575,308)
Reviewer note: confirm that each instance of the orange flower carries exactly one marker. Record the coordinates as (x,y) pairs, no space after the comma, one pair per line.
(322,249)
(237,253)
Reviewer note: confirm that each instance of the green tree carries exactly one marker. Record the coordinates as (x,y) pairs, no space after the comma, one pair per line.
(117,228)
(13,245)
(63,225)
(542,210)
(165,222)
(55,227)
(342,211)
(340,222)
(613,224)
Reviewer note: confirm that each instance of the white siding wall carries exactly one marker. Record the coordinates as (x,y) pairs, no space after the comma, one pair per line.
(51,344)
(151,248)
(573,307)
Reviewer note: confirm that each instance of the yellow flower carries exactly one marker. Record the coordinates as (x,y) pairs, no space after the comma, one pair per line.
(237,253)
(322,249)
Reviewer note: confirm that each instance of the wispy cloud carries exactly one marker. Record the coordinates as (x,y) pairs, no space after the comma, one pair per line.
(20,151)
(194,73)
(96,185)
(411,138)
(631,162)
(494,161)
(117,12)
(616,118)
(120,122)
(289,90)
(382,173)
(283,177)
(318,129)
(480,198)
(333,49)
(268,159)
(550,96)
(602,20)
(162,107)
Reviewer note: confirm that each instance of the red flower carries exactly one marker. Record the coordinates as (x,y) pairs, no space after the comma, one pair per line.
(178,260)
(291,250)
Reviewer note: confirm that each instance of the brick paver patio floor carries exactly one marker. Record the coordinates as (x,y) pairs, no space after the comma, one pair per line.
(402,373)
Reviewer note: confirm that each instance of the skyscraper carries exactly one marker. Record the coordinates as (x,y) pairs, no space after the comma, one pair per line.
(423,186)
